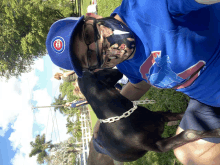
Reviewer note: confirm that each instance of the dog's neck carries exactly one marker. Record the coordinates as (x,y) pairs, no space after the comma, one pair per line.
(99,90)
(109,102)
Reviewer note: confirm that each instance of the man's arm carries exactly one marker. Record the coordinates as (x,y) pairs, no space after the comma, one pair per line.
(135,91)
(65,74)
(68,104)
(207,2)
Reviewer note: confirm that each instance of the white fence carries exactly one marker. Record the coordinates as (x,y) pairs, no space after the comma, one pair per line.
(86,134)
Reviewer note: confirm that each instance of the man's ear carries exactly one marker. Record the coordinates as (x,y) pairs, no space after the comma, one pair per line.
(93,15)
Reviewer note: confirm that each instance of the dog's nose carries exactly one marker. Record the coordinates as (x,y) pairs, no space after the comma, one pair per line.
(87,73)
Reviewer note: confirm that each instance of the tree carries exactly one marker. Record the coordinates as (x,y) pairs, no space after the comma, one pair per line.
(57,153)
(39,148)
(77,92)
(64,153)
(60,101)
(24,25)
(74,128)
(66,89)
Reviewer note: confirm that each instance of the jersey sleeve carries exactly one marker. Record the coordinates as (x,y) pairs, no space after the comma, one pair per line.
(115,11)
(183,7)
(133,80)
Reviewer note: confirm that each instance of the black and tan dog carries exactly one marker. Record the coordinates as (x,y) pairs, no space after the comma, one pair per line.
(130,138)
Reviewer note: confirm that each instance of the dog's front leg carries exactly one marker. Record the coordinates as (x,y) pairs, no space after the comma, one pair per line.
(169,116)
(184,137)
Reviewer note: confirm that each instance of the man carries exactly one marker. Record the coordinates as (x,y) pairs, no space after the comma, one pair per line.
(168,44)
(76,103)
(68,76)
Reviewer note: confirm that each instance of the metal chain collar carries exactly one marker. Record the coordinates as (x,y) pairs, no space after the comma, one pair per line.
(127,113)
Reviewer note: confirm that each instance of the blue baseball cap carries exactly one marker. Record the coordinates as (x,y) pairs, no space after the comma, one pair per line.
(59,44)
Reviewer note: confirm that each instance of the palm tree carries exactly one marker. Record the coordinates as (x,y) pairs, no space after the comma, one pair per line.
(60,101)
(39,148)
(74,127)
(65,152)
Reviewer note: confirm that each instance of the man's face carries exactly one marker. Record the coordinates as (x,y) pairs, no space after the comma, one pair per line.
(110,53)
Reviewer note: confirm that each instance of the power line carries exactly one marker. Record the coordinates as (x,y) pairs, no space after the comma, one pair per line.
(47,106)
(53,129)
(55,111)
(57,126)
(47,122)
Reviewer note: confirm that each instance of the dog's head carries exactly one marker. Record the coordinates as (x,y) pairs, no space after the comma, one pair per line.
(107,77)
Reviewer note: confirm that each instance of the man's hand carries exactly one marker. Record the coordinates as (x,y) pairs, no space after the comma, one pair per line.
(135,91)
(68,104)
(66,74)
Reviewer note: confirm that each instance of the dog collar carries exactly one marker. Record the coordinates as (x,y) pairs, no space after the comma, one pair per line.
(127,113)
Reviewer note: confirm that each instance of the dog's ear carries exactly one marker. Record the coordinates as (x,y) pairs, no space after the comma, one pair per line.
(109,76)
(85,80)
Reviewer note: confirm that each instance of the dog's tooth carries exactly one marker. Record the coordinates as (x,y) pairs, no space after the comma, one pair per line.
(112,57)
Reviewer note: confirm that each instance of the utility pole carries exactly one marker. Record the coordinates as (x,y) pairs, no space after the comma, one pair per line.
(47,106)
(74,104)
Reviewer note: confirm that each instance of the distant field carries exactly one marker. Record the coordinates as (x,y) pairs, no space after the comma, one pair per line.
(105,7)
(93,117)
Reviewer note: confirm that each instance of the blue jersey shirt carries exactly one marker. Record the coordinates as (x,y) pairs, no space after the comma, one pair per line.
(174,39)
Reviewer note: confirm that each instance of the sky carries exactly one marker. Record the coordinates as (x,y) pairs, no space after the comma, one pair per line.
(19,123)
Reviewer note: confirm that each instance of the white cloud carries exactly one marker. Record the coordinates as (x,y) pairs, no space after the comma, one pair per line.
(12,101)
(21,159)
(22,135)
(2,133)
(56,123)
(16,96)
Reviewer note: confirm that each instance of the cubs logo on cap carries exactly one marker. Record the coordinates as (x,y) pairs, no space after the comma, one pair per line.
(58,44)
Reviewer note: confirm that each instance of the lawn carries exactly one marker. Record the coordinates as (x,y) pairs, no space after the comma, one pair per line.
(165,99)
(93,117)
(105,7)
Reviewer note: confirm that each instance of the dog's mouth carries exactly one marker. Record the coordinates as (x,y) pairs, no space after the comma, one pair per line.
(112,56)
(109,60)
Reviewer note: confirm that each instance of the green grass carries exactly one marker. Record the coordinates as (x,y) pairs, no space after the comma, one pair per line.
(105,7)
(85,4)
(165,99)
(93,117)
